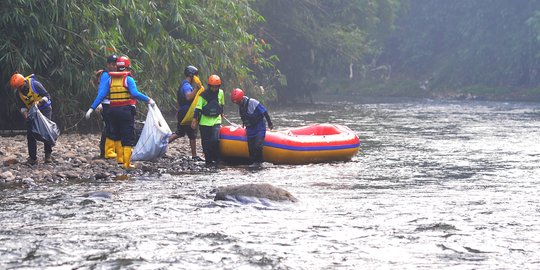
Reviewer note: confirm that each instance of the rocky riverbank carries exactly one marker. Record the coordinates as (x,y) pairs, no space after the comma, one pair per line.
(76,157)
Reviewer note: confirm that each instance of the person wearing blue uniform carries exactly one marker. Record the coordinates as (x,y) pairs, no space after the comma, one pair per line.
(186,97)
(31,92)
(108,137)
(253,115)
(122,92)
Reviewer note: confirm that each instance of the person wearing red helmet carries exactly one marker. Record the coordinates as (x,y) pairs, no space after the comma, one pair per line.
(253,115)
(30,91)
(207,116)
(123,94)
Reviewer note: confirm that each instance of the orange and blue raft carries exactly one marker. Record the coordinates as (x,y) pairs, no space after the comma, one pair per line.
(309,144)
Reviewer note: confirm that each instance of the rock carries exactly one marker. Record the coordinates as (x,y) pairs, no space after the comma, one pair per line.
(260,191)
(8,176)
(121,177)
(28,181)
(100,162)
(99,194)
(10,160)
(101,175)
(72,175)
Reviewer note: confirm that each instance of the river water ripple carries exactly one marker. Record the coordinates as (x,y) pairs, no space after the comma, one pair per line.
(436,185)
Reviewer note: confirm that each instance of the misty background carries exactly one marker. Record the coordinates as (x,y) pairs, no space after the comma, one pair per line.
(277,51)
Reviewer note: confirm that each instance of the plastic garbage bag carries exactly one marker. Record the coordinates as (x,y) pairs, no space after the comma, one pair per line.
(43,128)
(152,143)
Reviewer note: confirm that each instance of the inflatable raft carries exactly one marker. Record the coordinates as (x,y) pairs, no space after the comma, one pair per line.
(310,144)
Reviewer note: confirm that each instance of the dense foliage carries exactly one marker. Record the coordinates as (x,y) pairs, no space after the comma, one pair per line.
(318,40)
(65,41)
(468,44)
(285,47)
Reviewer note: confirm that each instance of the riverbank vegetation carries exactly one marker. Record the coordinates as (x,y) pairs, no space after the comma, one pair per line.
(276,50)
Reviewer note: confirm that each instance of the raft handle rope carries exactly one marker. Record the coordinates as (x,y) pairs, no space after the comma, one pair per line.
(230,123)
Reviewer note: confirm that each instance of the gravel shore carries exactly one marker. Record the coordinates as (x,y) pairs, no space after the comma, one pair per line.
(76,157)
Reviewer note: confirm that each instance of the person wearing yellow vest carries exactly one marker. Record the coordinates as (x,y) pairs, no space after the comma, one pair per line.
(121,90)
(30,92)
(187,97)
(207,116)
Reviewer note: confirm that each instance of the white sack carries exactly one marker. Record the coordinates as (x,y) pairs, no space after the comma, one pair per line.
(154,137)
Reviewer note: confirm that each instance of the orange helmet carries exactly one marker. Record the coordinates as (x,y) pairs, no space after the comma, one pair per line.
(214,80)
(237,95)
(17,81)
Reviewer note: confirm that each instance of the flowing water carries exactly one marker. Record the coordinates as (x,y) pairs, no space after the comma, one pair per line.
(436,185)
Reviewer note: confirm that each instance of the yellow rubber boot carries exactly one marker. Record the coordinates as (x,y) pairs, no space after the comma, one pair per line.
(127,158)
(109,149)
(119,152)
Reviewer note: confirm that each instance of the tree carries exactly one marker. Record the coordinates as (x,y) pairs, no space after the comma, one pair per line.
(65,41)
(317,39)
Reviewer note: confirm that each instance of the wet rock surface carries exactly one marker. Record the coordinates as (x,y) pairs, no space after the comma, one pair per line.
(76,157)
(260,191)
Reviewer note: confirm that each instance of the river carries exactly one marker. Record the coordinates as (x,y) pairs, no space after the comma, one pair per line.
(437,184)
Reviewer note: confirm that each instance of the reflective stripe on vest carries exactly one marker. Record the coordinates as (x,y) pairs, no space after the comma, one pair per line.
(118,92)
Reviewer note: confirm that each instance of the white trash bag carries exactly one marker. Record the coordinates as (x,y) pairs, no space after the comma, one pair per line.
(154,137)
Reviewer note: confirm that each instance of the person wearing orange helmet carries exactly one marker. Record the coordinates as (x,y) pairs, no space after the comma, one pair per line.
(187,97)
(253,115)
(207,116)
(122,92)
(31,92)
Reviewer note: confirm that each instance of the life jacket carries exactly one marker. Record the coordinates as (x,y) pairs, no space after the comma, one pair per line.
(212,107)
(249,119)
(32,96)
(118,91)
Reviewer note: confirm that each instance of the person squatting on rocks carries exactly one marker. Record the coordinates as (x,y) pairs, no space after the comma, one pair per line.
(207,115)
(31,92)
(121,90)
(186,96)
(108,137)
(253,115)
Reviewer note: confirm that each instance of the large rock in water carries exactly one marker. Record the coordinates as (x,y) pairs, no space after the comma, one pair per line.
(259,191)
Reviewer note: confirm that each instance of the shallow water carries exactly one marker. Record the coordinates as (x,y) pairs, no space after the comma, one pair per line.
(436,185)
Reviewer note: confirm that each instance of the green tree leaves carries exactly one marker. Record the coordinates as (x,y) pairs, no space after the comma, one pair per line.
(65,41)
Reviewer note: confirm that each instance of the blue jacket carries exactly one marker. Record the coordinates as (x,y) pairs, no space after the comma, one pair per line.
(252,109)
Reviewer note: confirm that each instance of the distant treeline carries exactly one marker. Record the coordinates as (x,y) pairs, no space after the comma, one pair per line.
(277,50)
(482,47)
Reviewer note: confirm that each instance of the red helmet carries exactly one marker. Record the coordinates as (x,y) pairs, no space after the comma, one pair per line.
(123,62)
(214,80)
(237,95)
(17,81)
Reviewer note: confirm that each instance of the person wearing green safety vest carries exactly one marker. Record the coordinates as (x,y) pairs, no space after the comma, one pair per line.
(207,116)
